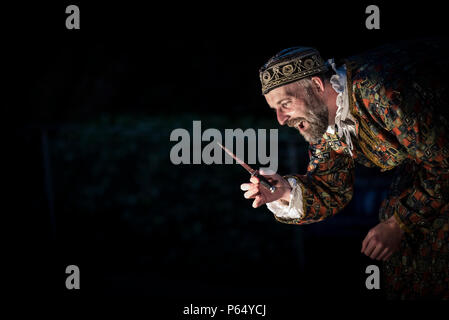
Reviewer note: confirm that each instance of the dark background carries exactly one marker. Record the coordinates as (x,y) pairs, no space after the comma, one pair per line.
(90,112)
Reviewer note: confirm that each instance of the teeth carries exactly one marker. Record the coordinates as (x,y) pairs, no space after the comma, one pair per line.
(299,124)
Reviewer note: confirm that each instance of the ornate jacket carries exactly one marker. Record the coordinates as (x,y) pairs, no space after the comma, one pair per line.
(398,98)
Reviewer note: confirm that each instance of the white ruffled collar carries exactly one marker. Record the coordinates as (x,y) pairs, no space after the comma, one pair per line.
(344,128)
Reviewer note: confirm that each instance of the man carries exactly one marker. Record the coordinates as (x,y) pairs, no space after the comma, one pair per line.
(386,108)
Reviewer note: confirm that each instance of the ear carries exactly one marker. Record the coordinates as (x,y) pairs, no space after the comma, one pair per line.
(319,85)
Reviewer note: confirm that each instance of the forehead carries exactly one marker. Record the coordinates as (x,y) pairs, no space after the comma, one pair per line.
(280,93)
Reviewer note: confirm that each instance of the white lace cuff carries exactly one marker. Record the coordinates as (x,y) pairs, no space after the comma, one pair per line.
(340,85)
(294,209)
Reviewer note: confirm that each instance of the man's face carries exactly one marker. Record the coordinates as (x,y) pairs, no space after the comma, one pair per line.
(307,113)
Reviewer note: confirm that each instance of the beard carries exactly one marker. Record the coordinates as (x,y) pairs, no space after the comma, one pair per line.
(314,125)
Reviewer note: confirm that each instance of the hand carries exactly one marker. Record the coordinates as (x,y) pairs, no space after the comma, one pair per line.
(383,240)
(262,195)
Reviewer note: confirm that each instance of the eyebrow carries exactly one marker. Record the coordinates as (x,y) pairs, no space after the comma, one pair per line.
(282,100)
(277,103)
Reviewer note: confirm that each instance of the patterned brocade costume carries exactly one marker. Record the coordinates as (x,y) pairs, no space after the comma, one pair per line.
(399,99)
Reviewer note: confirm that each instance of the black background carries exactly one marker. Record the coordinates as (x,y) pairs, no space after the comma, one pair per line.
(131,65)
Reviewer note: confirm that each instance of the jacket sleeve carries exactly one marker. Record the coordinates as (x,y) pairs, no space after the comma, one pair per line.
(324,190)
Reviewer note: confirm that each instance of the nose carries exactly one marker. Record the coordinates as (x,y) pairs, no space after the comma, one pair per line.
(282,117)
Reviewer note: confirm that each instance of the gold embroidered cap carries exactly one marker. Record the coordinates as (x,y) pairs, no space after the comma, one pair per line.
(290,65)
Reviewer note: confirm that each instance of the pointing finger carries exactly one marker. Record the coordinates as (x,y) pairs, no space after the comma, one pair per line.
(254,179)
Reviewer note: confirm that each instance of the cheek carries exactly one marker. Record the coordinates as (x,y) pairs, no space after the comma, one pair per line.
(299,109)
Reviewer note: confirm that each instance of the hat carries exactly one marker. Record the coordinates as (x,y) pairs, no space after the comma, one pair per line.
(290,65)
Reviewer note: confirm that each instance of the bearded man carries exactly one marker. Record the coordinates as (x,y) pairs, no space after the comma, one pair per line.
(386,108)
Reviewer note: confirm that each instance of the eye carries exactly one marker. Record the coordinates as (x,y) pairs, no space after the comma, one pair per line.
(285,104)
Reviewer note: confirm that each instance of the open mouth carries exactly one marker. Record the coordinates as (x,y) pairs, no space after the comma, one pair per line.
(301,125)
